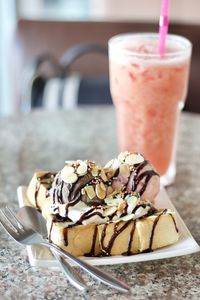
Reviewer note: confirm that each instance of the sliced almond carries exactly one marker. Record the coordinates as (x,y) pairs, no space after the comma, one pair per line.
(70,162)
(109,197)
(110,210)
(109,164)
(67,170)
(82,169)
(121,206)
(95,171)
(103,175)
(109,173)
(132,202)
(90,191)
(132,199)
(122,156)
(134,159)
(113,201)
(109,190)
(101,194)
(115,164)
(70,178)
(139,158)
(102,185)
(124,170)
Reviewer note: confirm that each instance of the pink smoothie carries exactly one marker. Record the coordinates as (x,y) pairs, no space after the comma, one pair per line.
(148,92)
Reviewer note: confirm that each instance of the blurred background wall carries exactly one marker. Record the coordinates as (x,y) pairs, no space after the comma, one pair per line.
(182,11)
(25,24)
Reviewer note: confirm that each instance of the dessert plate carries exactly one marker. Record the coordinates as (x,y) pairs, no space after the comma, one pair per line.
(41,257)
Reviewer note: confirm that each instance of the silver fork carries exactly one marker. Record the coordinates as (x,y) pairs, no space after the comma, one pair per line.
(26,236)
(70,272)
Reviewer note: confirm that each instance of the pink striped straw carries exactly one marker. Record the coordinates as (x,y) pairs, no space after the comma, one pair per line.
(163,26)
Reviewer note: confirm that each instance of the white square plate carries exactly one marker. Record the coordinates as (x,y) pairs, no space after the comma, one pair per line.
(42,257)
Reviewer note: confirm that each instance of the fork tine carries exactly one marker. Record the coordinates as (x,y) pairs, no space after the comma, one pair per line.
(14,217)
(10,231)
(9,220)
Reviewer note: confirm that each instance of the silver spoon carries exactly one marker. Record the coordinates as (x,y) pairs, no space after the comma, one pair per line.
(31,217)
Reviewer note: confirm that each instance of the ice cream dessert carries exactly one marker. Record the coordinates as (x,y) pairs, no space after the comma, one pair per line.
(105,211)
(123,225)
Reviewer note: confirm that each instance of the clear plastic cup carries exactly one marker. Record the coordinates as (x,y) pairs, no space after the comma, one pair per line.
(149,91)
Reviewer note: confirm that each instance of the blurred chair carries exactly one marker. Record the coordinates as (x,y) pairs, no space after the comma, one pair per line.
(51,83)
(36,37)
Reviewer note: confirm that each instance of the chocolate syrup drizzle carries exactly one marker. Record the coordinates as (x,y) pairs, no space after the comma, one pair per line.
(50,230)
(136,176)
(69,192)
(37,188)
(140,166)
(153,230)
(92,251)
(146,175)
(106,250)
(128,252)
(65,234)
(61,195)
(41,180)
(174,222)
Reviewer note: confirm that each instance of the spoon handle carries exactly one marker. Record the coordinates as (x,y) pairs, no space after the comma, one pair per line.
(95,272)
(71,274)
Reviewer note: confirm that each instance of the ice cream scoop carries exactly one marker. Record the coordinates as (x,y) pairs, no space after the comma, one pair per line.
(144,180)
(132,172)
(80,181)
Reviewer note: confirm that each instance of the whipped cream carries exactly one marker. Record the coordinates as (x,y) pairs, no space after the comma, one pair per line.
(121,208)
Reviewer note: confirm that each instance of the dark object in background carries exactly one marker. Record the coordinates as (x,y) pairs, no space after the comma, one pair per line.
(94,91)
(51,83)
(36,92)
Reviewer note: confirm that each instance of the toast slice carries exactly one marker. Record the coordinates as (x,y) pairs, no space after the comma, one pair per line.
(115,238)
(38,191)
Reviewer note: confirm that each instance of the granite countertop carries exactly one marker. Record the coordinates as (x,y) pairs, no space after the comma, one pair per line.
(44,140)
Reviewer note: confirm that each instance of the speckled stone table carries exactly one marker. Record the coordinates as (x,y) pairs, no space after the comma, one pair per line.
(44,140)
